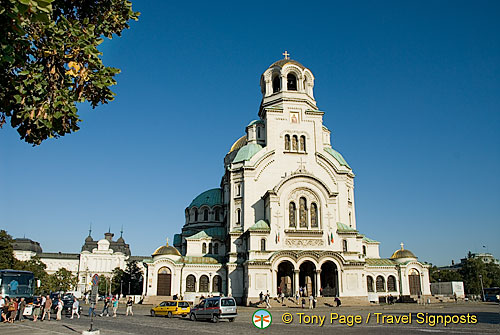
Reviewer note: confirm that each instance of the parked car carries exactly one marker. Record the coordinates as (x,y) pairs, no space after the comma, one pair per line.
(171,308)
(215,309)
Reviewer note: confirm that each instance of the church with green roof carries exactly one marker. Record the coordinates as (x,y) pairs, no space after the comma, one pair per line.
(283,219)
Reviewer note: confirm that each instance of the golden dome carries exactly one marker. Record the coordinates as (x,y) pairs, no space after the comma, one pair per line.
(238,144)
(402,253)
(166,250)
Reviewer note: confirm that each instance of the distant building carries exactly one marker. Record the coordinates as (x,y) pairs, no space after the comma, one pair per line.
(485,257)
(96,257)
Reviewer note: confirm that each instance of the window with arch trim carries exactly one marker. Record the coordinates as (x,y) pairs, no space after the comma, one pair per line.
(391,284)
(191,283)
(205,215)
(344,245)
(238,216)
(263,244)
(210,248)
(203,284)
(216,284)
(369,283)
(196,215)
(204,248)
(292,214)
(291,82)
(276,84)
(287,142)
(380,283)
(364,250)
(258,132)
(303,212)
(295,143)
(314,215)
(302,143)
(217,214)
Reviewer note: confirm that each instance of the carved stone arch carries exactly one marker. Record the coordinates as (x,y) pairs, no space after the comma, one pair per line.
(289,255)
(294,69)
(307,178)
(306,256)
(329,255)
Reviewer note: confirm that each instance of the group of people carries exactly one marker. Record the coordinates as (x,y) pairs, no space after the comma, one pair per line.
(302,292)
(13,309)
(113,302)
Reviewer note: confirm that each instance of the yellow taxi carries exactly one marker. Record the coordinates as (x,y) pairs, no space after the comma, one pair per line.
(171,308)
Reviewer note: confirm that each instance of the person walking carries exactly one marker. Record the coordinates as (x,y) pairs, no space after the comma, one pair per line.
(311,299)
(105,308)
(115,306)
(36,309)
(268,305)
(22,306)
(47,305)
(129,307)
(338,302)
(75,309)
(261,297)
(282,297)
(59,308)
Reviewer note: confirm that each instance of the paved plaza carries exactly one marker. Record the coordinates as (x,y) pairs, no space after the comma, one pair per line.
(488,322)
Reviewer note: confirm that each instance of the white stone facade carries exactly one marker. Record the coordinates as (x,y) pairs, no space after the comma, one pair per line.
(284,216)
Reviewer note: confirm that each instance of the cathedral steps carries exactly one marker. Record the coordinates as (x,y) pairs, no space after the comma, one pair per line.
(155,299)
(321,302)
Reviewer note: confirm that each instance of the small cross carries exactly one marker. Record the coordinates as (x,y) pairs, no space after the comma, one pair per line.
(329,216)
(277,216)
(301,167)
(167,241)
(402,245)
(286,54)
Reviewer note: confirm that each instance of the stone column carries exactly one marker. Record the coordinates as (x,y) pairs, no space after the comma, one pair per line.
(296,281)
(274,274)
(318,281)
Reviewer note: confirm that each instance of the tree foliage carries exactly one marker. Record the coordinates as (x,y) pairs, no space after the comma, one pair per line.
(131,278)
(7,260)
(49,61)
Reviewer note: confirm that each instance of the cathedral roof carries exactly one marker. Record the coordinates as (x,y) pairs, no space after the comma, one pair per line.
(337,156)
(210,198)
(369,240)
(255,122)
(282,62)
(216,232)
(379,262)
(343,228)
(238,144)
(403,253)
(260,225)
(247,152)
(166,250)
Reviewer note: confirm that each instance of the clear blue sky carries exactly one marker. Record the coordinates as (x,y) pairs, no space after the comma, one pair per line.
(410,90)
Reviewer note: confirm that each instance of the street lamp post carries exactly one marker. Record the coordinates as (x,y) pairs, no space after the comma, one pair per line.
(121,288)
(482,287)
(128,288)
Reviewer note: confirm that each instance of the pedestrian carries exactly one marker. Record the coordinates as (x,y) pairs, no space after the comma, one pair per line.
(13,310)
(282,297)
(301,291)
(311,298)
(303,302)
(297,296)
(42,306)
(2,304)
(47,305)
(314,302)
(92,309)
(338,302)
(22,306)
(36,309)
(59,309)
(105,308)
(129,307)
(261,297)
(115,306)
(268,305)
(75,309)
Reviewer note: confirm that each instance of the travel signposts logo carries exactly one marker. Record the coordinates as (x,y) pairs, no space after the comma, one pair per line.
(262,318)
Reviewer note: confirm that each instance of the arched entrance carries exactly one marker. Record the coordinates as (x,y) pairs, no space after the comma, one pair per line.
(285,278)
(414,282)
(329,280)
(164,282)
(306,278)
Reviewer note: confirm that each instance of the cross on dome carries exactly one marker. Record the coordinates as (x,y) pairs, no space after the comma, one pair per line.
(286,54)
(167,241)
(402,246)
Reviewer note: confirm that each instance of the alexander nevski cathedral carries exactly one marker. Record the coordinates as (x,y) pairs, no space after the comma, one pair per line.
(283,217)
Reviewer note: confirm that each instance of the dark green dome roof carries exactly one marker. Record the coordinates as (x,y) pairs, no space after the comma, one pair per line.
(210,198)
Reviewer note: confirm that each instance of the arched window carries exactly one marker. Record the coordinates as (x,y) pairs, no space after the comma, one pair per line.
(350,221)
(391,284)
(380,284)
(210,248)
(314,215)
(291,82)
(276,84)
(238,189)
(190,283)
(302,143)
(205,215)
(203,284)
(369,283)
(216,284)
(238,216)
(258,132)
(364,250)
(303,212)
(204,248)
(217,214)
(263,244)
(344,245)
(216,248)
(295,143)
(287,142)
(196,215)
(292,216)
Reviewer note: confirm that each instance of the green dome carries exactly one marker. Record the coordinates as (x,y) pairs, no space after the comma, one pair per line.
(210,198)
(247,152)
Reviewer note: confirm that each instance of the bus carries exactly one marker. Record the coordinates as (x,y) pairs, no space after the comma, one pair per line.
(17,284)
(492,294)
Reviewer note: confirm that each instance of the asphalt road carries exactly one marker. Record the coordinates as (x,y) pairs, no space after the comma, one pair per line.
(389,321)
